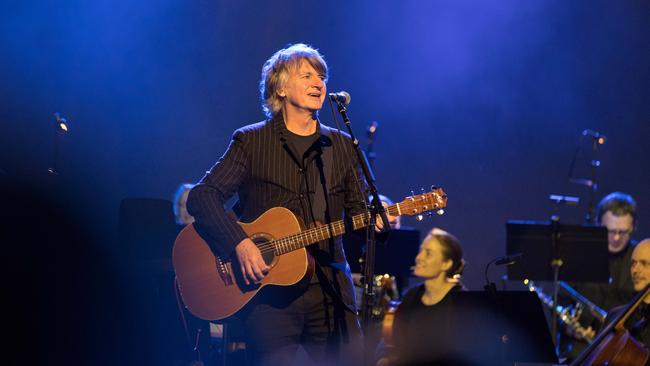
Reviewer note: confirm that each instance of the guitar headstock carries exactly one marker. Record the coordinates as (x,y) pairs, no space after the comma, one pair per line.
(425,202)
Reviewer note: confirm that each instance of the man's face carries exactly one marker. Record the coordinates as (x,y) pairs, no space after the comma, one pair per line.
(619,229)
(305,89)
(640,269)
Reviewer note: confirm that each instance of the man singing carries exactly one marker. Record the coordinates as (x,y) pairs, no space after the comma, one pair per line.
(293,161)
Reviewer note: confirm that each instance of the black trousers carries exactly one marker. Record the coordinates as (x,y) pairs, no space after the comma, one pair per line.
(285,318)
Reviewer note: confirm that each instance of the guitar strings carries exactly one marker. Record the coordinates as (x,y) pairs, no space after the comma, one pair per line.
(319,233)
(326,231)
(276,245)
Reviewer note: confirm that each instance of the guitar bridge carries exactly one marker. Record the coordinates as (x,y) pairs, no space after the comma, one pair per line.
(224,273)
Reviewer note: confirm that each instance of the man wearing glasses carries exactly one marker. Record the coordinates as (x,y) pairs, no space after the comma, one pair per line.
(617,212)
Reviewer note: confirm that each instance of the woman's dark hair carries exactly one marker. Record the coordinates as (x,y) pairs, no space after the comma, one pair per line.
(451,250)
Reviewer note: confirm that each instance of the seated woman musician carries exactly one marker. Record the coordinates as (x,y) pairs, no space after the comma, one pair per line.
(415,338)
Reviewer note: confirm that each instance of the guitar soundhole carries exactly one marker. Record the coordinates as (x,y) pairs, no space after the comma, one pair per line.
(261,240)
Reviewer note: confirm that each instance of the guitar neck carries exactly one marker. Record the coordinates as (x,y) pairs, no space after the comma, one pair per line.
(324,232)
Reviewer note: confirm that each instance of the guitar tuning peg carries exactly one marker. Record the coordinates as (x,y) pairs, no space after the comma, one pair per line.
(429,213)
(412,193)
(419,217)
(440,212)
(434,187)
(422,190)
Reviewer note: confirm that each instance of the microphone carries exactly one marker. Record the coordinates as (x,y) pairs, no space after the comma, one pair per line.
(600,138)
(341,97)
(508,259)
(499,261)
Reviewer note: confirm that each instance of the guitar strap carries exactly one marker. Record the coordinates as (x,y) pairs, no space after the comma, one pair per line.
(321,203)
(324,162)
(325,149)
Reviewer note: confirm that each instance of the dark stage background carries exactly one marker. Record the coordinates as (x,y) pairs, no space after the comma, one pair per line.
(485,99)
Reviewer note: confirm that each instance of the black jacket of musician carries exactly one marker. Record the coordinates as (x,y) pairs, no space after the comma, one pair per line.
(263,169)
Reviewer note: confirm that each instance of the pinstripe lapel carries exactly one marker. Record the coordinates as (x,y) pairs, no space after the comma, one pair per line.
(327,147)
(281,130)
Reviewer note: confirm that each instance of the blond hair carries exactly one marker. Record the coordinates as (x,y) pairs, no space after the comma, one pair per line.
(275,73)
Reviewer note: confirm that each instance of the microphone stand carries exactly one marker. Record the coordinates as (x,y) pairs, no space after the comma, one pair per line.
(375,208)
(590,219)
(556,263)
(592,184)
(498,261)
(370,154)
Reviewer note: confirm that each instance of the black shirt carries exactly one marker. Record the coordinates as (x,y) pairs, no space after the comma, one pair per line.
(421,332)
(620,289)
(304,146)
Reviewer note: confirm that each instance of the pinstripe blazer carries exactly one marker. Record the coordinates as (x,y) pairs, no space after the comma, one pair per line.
(261,167)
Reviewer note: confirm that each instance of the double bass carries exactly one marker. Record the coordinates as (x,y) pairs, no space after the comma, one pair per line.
(614,345)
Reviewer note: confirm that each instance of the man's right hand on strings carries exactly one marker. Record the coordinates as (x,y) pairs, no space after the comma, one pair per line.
(253,267)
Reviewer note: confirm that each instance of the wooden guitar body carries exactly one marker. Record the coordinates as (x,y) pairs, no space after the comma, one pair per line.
(212,287)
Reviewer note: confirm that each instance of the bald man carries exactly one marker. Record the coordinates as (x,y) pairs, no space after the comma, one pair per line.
(640,268)
(637,324)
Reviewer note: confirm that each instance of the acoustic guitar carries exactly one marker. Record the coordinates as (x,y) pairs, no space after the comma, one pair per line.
(212,286)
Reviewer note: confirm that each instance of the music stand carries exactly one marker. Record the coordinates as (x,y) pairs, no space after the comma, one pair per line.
(395,256)
(503,328)
(553,252)
(582,249)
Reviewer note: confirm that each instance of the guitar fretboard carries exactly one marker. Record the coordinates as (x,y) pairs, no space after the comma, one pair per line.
(324,232)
